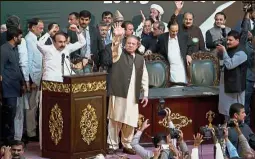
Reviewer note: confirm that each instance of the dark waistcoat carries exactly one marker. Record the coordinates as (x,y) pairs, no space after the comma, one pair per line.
(121,72)
(235,79)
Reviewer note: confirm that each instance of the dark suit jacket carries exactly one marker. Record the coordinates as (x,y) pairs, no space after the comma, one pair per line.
(185,44)
(10,70)
(95,42)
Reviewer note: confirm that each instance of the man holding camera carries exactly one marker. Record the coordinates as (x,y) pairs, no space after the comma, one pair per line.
(164,147)
(233,74)
(239,132)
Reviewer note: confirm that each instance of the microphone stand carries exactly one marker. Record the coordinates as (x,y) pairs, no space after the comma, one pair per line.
(62,63)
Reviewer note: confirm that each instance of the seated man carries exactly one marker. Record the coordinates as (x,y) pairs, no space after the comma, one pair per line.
(16,151)
(237,112)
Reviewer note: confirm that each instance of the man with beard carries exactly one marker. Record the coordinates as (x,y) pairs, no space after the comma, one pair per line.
(12,81)
(93,47)
(233,74)
(237,116)
(107,17)
(156,12)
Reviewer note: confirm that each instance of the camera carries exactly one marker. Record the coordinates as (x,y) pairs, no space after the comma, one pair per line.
(174,133)
(248,6)
(222,41)
(231,123)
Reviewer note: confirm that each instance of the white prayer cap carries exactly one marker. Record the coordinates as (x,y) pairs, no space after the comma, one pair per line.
(158,8)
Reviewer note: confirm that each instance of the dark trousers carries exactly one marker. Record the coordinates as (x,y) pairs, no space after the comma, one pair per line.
(248,96)
(8,115)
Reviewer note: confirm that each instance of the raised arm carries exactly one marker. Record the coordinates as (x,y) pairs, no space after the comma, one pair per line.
(116,42)
(141,151)
(245,28)
(41,43)
(231,63)
(81,40)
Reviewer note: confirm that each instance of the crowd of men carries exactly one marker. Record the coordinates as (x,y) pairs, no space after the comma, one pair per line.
(114,46)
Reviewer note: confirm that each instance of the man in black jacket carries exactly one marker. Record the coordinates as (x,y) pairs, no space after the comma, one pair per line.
(177,48)
(93,45)
(237,112)
(12,81)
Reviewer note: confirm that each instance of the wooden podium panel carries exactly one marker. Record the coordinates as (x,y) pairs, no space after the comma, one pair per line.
(74,117)
(192,107)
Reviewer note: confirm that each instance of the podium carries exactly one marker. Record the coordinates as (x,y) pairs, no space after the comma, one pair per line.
(74,117)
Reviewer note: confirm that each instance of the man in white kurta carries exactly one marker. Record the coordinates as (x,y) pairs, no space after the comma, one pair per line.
(123,112)
(52,57)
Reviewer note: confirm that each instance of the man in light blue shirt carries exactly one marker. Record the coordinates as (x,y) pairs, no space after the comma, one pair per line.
(36,27)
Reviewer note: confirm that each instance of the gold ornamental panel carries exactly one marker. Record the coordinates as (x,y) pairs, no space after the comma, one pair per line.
(179,121)
(89,124)
(56,124)
(89,87)
(55,87)
(210,115)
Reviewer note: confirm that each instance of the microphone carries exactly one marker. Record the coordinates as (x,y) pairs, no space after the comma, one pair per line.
(62,63)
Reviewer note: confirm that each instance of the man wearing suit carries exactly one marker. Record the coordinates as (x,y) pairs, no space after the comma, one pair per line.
(94,44)
(177,48)
(12,81)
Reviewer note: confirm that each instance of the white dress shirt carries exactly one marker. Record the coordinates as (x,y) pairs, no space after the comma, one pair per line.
(252,25)
(177,69)
(52,68)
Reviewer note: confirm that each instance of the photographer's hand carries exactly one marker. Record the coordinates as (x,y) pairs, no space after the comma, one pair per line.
(7,153)
(198,139)
(237,128)
(168,114)
(180,139)
(156,152)
(145,125)
(220,48)
(225,134)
